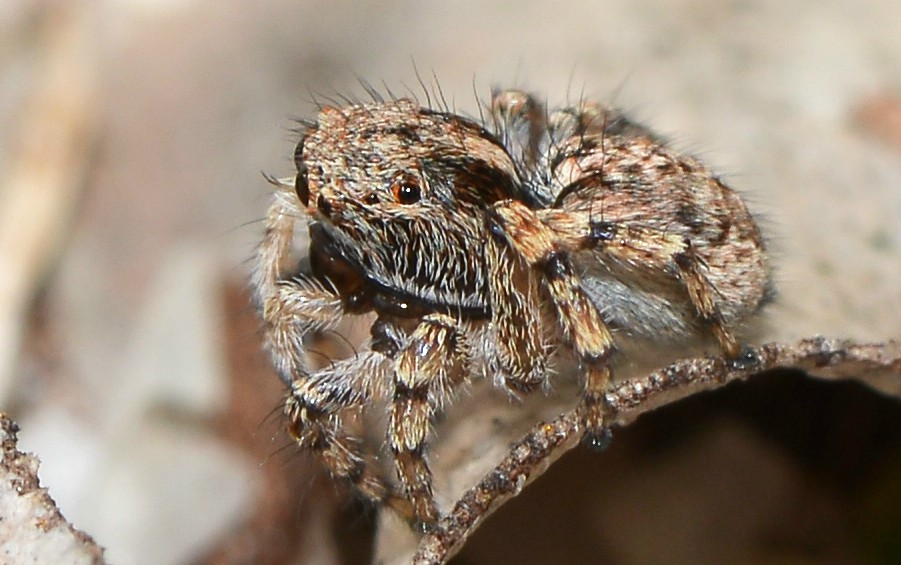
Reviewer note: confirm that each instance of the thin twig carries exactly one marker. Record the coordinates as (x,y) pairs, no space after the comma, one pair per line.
(876,365)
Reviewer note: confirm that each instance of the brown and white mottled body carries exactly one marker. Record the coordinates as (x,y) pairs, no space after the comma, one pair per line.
(485,250)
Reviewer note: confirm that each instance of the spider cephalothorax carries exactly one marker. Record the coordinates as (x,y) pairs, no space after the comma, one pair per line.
(398,193)
(483,250)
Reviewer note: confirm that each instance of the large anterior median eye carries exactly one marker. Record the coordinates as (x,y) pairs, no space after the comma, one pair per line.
(406,191)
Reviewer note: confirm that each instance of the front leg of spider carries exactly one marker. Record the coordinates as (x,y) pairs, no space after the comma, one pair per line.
(520,352)
(582,323)
(316,407)
(427,369)
(318,402)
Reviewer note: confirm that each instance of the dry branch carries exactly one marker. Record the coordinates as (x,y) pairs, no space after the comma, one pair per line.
(876,365)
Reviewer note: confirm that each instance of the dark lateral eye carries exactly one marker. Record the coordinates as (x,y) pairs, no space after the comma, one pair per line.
(405,191)
(298,154)
(302,186)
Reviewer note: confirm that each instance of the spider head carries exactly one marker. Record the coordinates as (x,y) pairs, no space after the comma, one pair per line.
(397,194)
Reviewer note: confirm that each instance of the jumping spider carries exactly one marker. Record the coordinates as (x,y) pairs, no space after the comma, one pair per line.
(487,249)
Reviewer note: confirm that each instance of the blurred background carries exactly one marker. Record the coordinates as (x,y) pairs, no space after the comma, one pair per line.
(133,134)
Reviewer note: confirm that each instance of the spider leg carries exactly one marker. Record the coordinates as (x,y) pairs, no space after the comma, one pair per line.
(318,402)
(318,406)
(655,250)
(702,295)
(426,371)
(582,323)
(521,121)
(516,318)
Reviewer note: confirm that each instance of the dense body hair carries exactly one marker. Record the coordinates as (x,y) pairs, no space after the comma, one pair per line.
(487,249)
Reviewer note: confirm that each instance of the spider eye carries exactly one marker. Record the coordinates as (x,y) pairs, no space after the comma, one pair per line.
(405,191)
(302,186)
(298,153)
